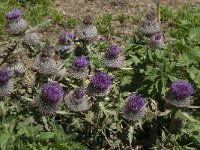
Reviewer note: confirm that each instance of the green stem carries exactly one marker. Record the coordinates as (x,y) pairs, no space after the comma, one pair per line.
(173,115)
(158,11)
(97,128)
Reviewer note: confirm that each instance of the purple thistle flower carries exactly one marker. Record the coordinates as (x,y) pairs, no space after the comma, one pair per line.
(77,100)
(80,62)
(52,92)
(101,81)
(78,93)
(136,102)
(114,50)
(157,37)
(181,89)
(13,14)
(65,36)
(5,76)
(134,108)
(156,41)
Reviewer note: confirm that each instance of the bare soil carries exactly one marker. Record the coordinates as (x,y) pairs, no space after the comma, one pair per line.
(98,8)
(80,8)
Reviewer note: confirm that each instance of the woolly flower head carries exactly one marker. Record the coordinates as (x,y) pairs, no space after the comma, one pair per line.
(87,20)
(136,103)
(52,91)
(114,50)
(101,80)
(65,36)
(181,89)
(13,14)
(150,16)
(5,75)
(80,62)
(78,93)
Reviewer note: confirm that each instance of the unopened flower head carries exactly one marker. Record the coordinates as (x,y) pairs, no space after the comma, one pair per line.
(151,16)
(149,26)
(87,20)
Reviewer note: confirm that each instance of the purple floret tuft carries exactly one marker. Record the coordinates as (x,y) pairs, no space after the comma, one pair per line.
(158,37)
(181,89)
(136,102)
(65,36)
(78,93)
(13,14)
(80,62)
(52,91)
(5,76)
(114,50)
(101,80)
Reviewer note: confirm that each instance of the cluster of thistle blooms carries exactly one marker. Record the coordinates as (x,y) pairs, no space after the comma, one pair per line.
(151,28)
(16,25)
(52,93)
(47,65)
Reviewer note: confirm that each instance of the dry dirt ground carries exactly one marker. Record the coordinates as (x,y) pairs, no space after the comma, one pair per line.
(80,8)
(97,8)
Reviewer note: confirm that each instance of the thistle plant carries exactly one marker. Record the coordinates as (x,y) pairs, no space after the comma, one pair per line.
(31,38)
(156,41)
(6,83)
(180,94)
(113,58)
(16,65)
(79,68)
(45,63)
(47,101)
(15,24)
(65,43)
(100,84)
(149,26)
(77,100)
(86,32)
(134,109)
(100,126)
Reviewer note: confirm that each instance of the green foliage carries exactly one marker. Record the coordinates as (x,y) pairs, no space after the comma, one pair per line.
(71,22)
(149,73)
(122,19)
(27,134)
(104,24)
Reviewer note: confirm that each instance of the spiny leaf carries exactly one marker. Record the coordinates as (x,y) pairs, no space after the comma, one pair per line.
(194,34)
